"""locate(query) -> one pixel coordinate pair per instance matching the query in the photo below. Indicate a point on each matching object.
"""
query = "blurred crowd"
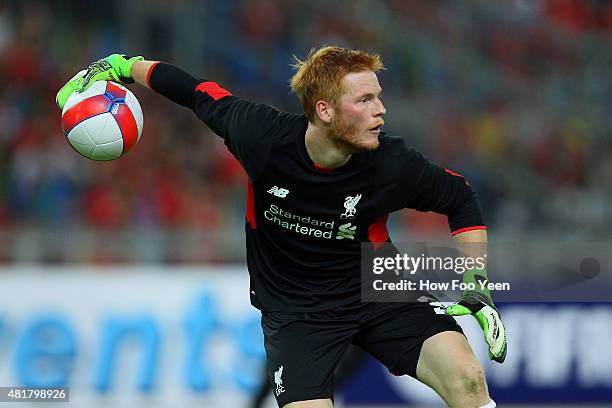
(516, 95)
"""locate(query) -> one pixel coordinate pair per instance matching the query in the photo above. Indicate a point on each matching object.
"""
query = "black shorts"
(305, 348)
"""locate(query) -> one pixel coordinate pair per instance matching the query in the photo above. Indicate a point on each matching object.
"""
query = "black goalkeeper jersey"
(305, 224)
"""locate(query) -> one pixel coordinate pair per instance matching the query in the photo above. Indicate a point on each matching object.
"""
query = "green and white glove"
(479, 304)
(115, 67)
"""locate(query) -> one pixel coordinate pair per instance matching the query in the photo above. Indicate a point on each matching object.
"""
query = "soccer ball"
(103, 122)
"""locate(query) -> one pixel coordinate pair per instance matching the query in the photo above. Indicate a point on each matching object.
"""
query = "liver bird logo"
(349, 206)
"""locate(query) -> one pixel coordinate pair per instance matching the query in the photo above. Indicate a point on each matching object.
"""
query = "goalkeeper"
(321, 183)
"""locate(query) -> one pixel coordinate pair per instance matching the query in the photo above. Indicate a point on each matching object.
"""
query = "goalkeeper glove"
(479, 304)
(115, 67)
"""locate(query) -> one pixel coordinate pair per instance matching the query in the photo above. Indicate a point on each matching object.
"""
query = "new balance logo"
(346, 231)
(279, 192)
(279, 381)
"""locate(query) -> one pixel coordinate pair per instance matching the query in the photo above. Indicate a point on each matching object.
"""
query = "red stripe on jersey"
(149, 72)
(127, 123)
(452, 173)
(83, 110)
(378, 232)
(114, 90)
(213, 89)
(466, 229)
(323, 169)
(250, 206)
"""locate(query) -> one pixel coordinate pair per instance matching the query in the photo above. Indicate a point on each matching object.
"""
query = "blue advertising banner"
(190, 338)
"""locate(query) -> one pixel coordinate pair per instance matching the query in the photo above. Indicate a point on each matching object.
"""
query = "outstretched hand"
(115, 67)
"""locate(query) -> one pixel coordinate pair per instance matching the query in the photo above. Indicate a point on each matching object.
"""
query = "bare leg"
(448, 365)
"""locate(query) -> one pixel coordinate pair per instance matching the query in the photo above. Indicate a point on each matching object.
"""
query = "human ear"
(324, 111)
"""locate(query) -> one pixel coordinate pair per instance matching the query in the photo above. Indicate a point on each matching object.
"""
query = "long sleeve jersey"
(305, 224)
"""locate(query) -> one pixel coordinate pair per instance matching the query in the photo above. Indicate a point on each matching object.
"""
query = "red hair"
(319, 77)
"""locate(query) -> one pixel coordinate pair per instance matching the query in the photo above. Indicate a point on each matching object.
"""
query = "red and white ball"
(104, 122)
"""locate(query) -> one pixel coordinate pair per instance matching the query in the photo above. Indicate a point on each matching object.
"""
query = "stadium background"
(516, 95)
